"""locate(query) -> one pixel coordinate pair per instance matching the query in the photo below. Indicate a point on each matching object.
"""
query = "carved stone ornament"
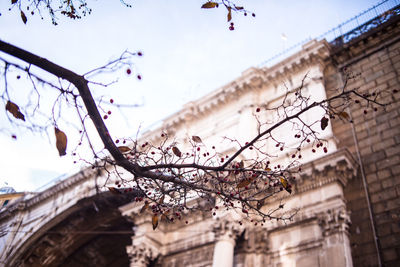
(334, 221)
(226, 229)
(141, 255)
(255, 240)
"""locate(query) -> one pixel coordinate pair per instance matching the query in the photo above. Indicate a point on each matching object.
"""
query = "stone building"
(348, 200)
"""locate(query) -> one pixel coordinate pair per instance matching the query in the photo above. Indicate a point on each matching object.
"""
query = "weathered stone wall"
(318, 235)
(375, 59)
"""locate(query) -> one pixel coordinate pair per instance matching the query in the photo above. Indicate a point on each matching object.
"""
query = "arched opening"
(91, 233)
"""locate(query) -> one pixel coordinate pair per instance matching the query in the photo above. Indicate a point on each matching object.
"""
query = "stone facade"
(333, 226)
(338, 219)
(375, 56)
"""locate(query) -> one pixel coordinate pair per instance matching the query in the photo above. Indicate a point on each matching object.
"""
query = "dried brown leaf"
(324, 123)
(161, 201)
(260, 203)
(241, 164)
(176, 151)
(61, 141)
(197, 139)
(285, 184)
(244, 183)
(23, 17)
(344, 115)
(209, 5)
(229, 16)
(154, 221)
(124, 149)
(14, 110)
(144, 208)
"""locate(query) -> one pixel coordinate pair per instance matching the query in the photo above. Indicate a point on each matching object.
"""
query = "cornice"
(341, 161)
(312, 53)
(339, 166)
(24, 204)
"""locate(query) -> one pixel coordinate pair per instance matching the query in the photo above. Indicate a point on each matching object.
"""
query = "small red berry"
(253, 15)
(140, 54)
(128, 71)
(109, 112)
(139, 77)
(111, 100)
(105, 117)
(258, 110)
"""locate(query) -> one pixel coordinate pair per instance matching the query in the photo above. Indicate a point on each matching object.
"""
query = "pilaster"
(226, 231)
(334, 225)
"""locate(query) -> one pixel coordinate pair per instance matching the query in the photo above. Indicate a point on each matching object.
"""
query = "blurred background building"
(348, 198)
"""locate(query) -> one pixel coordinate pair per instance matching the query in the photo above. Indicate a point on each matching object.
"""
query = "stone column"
(225, 237)
(335, 225)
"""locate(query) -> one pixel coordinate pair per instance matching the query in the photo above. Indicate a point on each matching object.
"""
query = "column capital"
(255, 240)
(226, 229)
(141, 255)
(334, 220)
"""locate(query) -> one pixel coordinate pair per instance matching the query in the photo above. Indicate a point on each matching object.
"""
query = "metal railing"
(348, 30)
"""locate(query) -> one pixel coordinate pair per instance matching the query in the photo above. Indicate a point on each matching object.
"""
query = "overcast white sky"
(187, 53)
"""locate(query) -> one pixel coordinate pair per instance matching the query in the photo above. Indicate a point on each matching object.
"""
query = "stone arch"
(80, 236)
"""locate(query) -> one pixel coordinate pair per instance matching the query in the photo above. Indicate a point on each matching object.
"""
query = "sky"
(187, 52)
